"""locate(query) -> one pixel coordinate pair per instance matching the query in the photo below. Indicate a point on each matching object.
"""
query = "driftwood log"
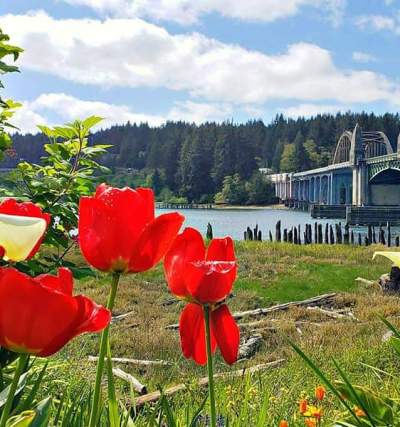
(320, 300)
(135, 361)
(121, 317)
(390, 283)
(250, 347)
(134, 382)
(155, 396)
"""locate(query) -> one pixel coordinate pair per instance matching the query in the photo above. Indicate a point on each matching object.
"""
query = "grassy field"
(268, 273)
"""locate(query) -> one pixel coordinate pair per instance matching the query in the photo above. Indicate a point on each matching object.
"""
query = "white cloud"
(363, 57)
(134, 53)
(310, 110)
(379, 23)
(67, 108)
(189, 11)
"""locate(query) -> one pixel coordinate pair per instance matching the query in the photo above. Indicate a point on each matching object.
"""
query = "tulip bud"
(320, 392)
(303, 406)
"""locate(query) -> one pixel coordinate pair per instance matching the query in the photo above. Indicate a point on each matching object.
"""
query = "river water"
(234, 222)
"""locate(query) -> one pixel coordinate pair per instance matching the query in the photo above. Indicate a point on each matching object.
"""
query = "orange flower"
(320, 392)
(283, 423)
(310, 422)
(359, 412)
(303, 406)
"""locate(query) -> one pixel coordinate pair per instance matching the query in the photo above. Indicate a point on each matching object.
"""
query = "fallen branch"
(134, 382)
(334, 314)
(319, 300)
(121, 317)
(250, 347)
(135, 361)
(153, 397)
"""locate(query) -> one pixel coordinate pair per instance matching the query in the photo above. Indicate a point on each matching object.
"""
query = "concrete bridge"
(365, 173)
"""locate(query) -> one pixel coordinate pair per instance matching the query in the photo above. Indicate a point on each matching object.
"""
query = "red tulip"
(118, 231)
(203, 277)
(22, 229)
(39, 315)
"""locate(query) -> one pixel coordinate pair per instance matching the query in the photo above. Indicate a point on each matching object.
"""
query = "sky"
(204, 60)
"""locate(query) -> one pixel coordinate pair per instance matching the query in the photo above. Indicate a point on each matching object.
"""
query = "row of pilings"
(329, 234)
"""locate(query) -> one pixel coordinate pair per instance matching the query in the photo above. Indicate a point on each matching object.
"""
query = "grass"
(268, 273)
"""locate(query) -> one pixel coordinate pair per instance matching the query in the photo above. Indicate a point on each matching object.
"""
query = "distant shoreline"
(221, 207)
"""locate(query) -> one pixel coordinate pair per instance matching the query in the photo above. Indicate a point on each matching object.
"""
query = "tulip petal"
(89, 317)
(19, 235)
(222, 250)
(209, 282)
(93, 247)
(192, 334)
(147, 195)
(188, 246)
(110, 225)
(37, 319)
(63, 282)
(226, 333)
(393, 256)
(26, 209)
(155, 241)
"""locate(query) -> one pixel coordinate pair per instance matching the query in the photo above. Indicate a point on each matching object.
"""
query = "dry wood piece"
(135, 361)
(250, 347)
(134, 382)
(319, 300)
(334, 314)
(365, 282)
(121, 317)
(153, 397)
(315, 301)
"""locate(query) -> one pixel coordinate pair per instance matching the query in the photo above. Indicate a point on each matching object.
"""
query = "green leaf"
(90, 122)
(20, 387)
(23, 420)
(42, 413)
(375, 408)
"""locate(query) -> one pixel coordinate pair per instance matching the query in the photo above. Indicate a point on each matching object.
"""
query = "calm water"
(234, 222)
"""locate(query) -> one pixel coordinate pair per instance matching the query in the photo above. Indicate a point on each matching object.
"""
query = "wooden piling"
(278, 234)
(346, 236)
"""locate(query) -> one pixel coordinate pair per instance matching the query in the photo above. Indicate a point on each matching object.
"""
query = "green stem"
(210, 367)
(21, 363)
(94, 413)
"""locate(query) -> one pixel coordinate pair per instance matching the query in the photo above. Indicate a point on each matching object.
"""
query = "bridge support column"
(360, 185)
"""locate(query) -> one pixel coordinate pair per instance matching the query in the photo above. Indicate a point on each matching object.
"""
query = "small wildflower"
(359, 412)
(310, 422)
(303, 406)
(320, 392)
(316, 413)
(283, 423)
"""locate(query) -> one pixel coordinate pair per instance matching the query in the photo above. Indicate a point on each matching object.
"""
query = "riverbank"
(268, 274)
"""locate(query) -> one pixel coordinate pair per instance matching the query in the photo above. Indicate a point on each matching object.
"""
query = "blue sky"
(157, 60)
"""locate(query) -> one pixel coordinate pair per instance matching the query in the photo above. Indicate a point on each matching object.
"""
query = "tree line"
(216, 162)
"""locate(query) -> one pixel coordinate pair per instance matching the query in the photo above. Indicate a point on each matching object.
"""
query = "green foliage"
(68, 171)
(7, 107)
(260, 190)
(233, 191)
(363, 406)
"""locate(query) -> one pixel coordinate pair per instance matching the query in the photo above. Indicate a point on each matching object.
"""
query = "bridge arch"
(356, 145)
(384, 187)
(342, 151)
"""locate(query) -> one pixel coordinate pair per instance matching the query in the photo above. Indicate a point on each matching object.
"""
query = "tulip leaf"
(20, 387)
(23, 420)
(42, 413)
(379, 410)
